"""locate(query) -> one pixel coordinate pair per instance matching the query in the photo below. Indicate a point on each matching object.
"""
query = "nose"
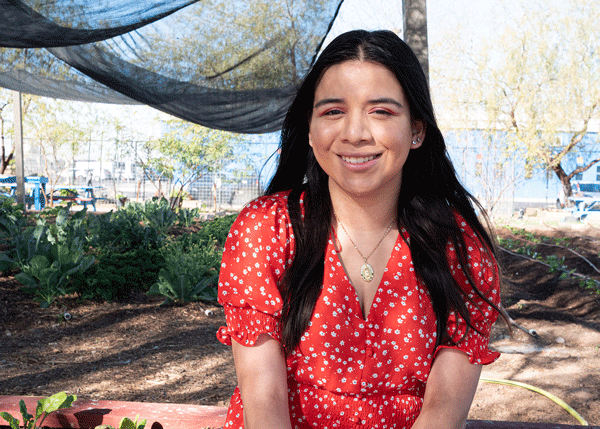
(356, 128)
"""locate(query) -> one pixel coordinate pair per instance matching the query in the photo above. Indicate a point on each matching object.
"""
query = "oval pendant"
(366, 272)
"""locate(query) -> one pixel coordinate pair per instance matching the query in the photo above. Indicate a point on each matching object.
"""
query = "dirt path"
(138, 351)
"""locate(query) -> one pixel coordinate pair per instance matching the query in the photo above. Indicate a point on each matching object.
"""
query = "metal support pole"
(18, 142)
(415, 30)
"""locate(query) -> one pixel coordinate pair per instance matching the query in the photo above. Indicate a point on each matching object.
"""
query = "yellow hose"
(549, 395)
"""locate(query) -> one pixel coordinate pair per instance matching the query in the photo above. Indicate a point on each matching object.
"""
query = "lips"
(358, 160)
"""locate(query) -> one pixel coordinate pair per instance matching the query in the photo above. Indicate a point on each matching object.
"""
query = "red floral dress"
(347, 372)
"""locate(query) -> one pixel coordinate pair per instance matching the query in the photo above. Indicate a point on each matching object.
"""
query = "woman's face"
(361, 129)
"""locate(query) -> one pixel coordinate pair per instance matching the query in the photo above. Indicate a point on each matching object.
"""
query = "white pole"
(18, 142)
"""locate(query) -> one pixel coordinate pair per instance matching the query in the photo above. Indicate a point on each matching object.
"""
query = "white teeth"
(358, 160)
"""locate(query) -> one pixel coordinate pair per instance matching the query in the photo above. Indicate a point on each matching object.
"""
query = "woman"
(360, 290)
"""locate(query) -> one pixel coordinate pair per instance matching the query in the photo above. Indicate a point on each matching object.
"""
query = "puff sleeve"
(484, 271)
(257, 251)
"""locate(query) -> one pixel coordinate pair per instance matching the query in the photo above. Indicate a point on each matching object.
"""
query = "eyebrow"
(383, 100)
(328, 101)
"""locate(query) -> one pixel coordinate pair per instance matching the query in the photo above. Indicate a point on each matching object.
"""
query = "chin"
(361, 191)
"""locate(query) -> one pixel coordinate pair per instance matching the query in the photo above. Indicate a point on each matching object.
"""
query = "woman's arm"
(261, 374)
(449, 392)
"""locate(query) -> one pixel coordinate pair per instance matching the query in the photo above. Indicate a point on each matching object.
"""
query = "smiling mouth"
(357, 160)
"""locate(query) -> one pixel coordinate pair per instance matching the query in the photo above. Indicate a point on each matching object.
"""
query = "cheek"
(320, 138)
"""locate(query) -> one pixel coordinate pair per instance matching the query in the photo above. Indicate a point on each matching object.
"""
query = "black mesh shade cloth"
(230, 65)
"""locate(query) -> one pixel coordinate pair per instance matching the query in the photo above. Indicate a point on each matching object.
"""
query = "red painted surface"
(87, 414)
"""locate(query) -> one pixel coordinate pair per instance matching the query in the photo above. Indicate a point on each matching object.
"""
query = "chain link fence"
(124, 179)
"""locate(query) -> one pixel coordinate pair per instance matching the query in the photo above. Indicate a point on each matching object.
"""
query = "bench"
(78, 199)
(87, 414)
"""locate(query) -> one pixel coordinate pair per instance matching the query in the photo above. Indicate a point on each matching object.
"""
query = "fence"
(120, 176)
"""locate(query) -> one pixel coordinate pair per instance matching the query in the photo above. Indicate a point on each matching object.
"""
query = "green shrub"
(67, 228)
(195, 259)
(122, 231)
(191, 270)
(186, 217)
(156, 214)
(48, 276)
(184, 288)
(217, 228)
(117, 275)
(12, 217)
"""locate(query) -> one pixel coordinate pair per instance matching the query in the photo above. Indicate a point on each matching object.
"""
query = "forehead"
(357, 76)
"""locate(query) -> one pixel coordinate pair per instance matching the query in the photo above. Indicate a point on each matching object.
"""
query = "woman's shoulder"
(267, 212)
(469, 233)
(266, 206)
(269, 201)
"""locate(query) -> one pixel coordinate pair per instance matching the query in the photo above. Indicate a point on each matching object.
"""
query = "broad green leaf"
(56, 402)
(86, 263)
(6, 263)
(30, 284)
(38, 263)
(127, 423)
(13, 423)
(24, 413)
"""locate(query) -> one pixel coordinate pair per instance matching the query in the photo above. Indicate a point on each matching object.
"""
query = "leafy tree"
(59, 132)
(243, 45)
(6, 158)
(6, 125)
(188, 151)
(536, 88)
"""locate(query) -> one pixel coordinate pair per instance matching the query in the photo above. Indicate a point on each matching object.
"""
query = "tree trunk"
(5, 159)
(565, 181)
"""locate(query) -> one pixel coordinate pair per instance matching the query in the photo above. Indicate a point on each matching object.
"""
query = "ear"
(418, 133)
(310, 139)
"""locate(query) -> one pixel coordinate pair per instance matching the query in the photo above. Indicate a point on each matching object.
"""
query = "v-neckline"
(363, 317)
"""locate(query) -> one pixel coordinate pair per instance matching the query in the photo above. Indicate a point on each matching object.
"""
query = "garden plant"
(110, 256)
(53, 403)
(44, 407)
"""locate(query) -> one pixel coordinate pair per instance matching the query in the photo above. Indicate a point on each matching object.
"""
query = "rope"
(549, 395)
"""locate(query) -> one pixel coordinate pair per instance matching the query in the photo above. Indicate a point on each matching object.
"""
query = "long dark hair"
(429, 197)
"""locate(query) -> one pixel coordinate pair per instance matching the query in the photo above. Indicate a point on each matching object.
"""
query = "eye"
(332, 112)
(383, 111)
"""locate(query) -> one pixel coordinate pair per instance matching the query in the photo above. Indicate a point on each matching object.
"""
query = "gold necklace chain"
(366, 271)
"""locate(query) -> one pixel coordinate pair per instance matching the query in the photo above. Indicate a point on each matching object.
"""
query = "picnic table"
(83, 195)
(582, 209)
(36, 186)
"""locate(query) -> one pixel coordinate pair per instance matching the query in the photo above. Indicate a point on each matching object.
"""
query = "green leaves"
(183, 288)
(190, 151)
(159, 215)
(13, 423)
(12, 217)
(126, 423)
(47, 277)
(45, 406)
(52, 403)
(186, 217)
(6, 263)
(128, 255)
(56, 402)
